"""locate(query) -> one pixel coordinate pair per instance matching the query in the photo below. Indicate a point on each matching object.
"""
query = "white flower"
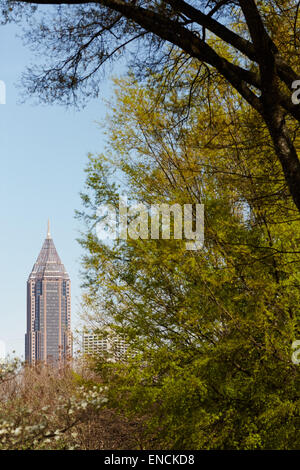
(17, 431)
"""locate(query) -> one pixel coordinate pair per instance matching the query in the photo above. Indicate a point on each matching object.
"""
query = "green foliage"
(209, 331)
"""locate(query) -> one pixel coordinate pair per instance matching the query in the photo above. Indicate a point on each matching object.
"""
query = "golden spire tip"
(48, 230)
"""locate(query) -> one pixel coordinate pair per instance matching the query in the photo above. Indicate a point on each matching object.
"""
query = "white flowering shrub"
(42, 408)
(9, 369)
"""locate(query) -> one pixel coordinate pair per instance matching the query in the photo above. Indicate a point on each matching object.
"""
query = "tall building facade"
(48, 338)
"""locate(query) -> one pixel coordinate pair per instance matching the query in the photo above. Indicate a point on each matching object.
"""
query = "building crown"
(48, 263)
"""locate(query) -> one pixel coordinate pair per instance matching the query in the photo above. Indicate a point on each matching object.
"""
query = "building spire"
(48, 230)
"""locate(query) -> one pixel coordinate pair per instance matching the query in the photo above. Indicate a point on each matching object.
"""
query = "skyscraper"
(48, 337)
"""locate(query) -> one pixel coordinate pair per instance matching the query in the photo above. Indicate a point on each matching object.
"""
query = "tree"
(262, 37)
(209, 332)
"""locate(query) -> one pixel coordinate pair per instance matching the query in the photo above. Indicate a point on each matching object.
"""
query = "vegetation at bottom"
(45, 407)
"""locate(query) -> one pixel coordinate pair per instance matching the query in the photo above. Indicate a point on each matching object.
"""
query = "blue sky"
(43, 153)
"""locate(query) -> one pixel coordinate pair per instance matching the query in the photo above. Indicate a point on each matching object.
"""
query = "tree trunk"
(285, 150)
